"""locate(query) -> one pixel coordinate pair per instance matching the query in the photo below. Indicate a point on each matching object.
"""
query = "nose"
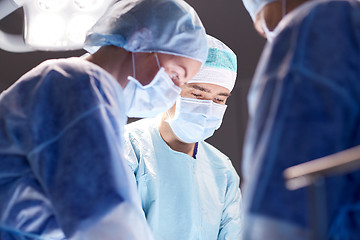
(177, 82)
(174, 78)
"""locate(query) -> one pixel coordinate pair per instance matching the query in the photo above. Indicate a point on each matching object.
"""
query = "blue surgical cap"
(166, 26)
(254, 6)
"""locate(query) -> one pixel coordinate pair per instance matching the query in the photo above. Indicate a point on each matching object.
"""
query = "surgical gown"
(183, 197)
(304, 104)
(62, 169)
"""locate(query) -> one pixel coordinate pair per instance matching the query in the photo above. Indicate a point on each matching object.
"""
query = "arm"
(231, 220)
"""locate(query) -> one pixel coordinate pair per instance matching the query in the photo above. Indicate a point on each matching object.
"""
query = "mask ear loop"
(157, 60)
(133, 63)
(169, 118)
(168, 114)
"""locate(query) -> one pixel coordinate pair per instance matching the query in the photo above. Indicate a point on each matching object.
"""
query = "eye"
(196, 95)
(219, 100)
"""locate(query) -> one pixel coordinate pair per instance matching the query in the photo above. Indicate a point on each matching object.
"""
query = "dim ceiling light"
(51, 24)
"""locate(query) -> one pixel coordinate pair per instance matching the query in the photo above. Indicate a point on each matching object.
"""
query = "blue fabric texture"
(62, 169)
(166, 26)
(183, 197)
(8, 233)
(304, 104)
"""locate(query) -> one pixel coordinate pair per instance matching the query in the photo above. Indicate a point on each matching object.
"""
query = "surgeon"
(62, 167)
(304, 104)
(188, 188)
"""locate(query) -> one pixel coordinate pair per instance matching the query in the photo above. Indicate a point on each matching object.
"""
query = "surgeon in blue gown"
(304, 104)
(62, 169)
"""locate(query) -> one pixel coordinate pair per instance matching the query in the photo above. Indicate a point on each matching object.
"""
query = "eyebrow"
(225, 94)
(208, 91)
(200, 88)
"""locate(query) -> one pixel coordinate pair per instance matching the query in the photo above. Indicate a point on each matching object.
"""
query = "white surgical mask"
(196, 120)
(150, 100)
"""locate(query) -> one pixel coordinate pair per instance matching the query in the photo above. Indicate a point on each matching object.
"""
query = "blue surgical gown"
(304, 104)
(62, 169)
(183, 197)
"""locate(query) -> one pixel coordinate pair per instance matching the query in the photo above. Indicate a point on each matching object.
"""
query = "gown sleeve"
(78, 159)
(231, 220)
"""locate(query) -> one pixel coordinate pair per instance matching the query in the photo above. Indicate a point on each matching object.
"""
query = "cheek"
(146, 76)
(184, 94)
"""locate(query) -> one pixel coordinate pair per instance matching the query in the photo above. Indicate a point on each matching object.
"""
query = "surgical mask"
(196, 120)
(150, 100)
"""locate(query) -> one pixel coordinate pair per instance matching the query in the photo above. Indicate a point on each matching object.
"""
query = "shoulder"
(219, 161)
(53, 75)
(73, 80)
(213, 150)
(215, 155)
(319, 19)
(315, 11)
(76, 72)
(312, 31)
(68, 88)
(141, 125)
(140, 130)
(69, 71)
(138, 139)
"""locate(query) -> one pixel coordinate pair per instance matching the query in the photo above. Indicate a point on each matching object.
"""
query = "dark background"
(226, 20)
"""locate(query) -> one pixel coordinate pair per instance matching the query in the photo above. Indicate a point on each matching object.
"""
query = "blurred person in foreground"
(303, 105)
(62, 167)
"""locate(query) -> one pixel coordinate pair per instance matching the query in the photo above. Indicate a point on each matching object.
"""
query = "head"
(163, 36)
(267, 14)
(200, 109)
(180, 69)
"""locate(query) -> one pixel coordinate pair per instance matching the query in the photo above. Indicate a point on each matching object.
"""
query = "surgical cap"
(254, 6)
(220, 67)
(165, 26)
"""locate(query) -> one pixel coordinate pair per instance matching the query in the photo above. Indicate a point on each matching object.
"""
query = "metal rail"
(304, 174)
(312, 175)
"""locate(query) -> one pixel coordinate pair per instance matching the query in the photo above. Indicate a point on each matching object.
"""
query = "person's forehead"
(187, 64)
